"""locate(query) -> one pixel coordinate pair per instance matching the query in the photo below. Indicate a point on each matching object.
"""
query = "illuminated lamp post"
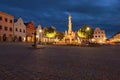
(40, 35)
(88, 29)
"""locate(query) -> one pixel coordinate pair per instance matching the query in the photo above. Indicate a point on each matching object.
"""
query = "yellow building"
(115, 37)
(6, 26)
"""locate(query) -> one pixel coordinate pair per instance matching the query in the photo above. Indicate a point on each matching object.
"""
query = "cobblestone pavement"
(18, 61)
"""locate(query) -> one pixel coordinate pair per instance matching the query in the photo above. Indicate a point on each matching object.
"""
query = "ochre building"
(6, 26)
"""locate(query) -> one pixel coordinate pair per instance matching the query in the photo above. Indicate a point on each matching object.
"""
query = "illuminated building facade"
(30, 30)
(115, 37)
(6, 26)
(99, 36)
(49, 36)
(39, 33)
(19, 30)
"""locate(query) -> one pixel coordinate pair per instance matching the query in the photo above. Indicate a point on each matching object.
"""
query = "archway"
(15, 38)
(0, 38)
(20, 38)
(4, 37)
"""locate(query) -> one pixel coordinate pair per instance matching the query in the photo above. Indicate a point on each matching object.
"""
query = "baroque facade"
(6, 26)
(19, 30)
(30, 31)
(99, 36)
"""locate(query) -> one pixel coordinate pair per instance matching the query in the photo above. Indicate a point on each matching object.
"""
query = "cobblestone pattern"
(59, 63)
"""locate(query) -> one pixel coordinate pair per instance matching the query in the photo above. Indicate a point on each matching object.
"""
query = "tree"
(60, 35)
(85, 32)
(50, 32)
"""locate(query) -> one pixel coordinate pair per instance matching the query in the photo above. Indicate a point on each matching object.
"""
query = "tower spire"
(69, 24)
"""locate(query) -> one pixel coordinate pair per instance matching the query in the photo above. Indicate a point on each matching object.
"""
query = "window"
(0, 27)
(24, 31)
(20, 30)
(10, 35)
(16, 29)
(10, 29)
(5, 28)
(10, 21)
(6, 19)
(0, 18)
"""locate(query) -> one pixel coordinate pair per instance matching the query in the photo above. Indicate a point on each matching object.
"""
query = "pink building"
(6, 26)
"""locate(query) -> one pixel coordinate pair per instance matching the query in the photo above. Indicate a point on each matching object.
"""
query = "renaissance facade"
(6, 26)
(99, 36)
(19, 30)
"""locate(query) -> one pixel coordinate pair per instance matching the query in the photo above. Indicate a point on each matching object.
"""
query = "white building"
(99, 36)
(39, 33)
(19, 30)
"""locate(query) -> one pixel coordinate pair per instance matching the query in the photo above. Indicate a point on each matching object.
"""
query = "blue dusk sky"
(95, 13)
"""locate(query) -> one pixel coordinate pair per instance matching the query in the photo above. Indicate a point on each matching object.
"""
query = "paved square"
(18, 61)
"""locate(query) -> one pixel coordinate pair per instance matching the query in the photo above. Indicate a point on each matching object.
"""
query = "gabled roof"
(115, 34)
(15, 20)
(5, 13)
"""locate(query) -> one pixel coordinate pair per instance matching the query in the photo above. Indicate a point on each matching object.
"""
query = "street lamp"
(88, 28)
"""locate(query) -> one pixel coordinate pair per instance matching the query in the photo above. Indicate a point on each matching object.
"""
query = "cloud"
(103, 13)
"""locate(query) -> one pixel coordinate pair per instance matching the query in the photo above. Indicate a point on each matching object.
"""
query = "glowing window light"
(40, 30)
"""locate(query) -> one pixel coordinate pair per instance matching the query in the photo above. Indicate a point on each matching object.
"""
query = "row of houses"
(15, 29)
